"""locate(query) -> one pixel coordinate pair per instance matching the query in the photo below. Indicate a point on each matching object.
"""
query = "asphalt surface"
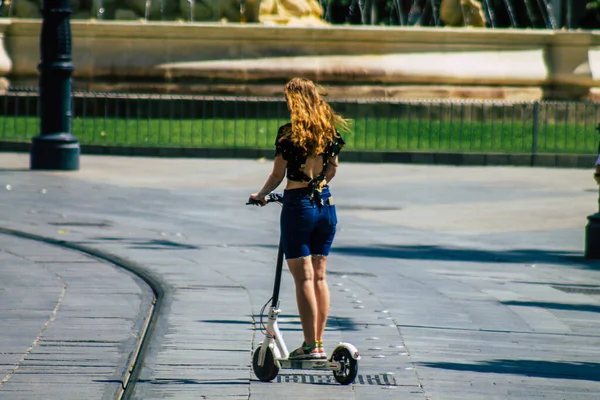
(453, 282)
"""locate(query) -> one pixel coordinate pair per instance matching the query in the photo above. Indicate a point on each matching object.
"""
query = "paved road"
(455, 283)
(70, 323)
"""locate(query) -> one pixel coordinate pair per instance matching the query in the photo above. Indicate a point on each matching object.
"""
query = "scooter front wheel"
(268, 371)
(349, 366)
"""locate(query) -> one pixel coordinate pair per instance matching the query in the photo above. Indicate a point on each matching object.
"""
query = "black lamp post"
(592, 230)
(55, 148)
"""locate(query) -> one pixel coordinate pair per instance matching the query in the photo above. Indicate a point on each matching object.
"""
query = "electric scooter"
(271, 355)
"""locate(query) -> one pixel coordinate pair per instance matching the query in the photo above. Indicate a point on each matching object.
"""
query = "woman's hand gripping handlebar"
(270, 198)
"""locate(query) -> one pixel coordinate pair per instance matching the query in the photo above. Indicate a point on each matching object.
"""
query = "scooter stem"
(277, 286)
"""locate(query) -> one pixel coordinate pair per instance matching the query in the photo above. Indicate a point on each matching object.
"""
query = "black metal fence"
(111, 119)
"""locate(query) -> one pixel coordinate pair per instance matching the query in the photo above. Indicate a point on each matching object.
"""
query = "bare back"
(302, 170)
(312, 168)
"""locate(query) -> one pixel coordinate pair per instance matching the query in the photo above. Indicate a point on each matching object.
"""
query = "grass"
(369, 134)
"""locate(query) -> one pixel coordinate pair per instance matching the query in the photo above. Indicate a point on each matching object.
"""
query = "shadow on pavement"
(192, 382)
(440, 253)
(333, 322)
(15, 170)
(585, 371)
(181, 381)
(554, 306)
(147, 244)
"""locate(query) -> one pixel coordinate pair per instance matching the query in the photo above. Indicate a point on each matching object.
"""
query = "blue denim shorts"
(307, 226)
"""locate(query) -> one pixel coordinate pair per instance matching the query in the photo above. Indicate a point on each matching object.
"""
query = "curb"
(155, 285)
(410, 157)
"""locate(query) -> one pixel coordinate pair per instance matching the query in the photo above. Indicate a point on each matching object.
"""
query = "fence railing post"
(535, 132)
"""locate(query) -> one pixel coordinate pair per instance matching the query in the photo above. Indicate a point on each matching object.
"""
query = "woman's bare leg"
(321, 294)
(302, 271)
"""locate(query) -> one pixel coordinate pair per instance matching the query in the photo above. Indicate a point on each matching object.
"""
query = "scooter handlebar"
(270, 198)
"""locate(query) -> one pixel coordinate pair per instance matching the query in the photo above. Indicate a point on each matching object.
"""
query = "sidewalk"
(70, 323)
(454, 283)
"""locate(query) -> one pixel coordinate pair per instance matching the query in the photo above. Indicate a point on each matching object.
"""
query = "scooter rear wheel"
(349, 366)
(269, 370)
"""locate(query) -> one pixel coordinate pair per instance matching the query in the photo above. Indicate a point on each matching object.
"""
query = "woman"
(308, 149)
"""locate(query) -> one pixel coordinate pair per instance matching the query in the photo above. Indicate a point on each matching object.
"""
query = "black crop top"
(296, 158)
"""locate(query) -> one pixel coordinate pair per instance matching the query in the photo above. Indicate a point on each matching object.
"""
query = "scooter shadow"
(315, 380)
(333, 324)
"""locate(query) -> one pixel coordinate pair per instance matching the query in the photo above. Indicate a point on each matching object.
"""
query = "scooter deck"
(309, 364)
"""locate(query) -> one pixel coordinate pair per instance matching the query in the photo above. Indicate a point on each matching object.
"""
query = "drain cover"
(378, 379)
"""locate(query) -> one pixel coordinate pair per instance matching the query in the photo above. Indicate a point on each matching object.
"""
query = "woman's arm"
(331, 168)
(277, 175)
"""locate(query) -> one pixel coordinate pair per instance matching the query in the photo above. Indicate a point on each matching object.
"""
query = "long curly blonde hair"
(314, 122)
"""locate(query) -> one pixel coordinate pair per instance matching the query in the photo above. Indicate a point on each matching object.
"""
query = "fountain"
(147, 11)
(98, 9)
(358, 48)
(496, 13)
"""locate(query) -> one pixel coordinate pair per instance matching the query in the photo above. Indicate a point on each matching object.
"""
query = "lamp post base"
(55, 152)
(592, 237)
